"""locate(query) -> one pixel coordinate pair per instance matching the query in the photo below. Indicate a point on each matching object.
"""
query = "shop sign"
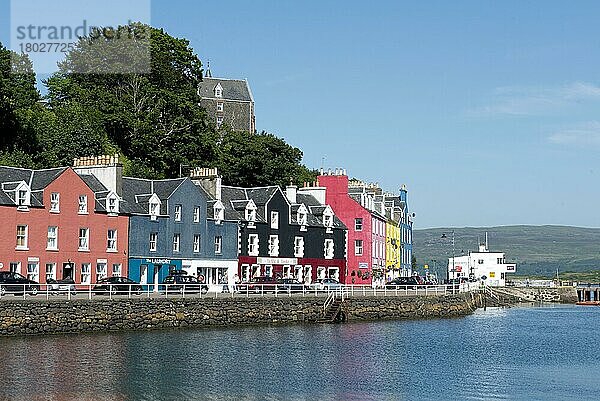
(277, 261)
(363, 265)
(157, 261)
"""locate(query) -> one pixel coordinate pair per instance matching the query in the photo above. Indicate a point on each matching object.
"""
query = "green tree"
(413, 263)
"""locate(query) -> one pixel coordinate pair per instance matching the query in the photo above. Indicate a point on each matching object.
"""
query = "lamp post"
(445, 236)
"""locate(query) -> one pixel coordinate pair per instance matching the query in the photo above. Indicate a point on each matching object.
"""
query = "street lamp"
(445, 236)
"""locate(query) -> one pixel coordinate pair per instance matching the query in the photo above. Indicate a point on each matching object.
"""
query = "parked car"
(64, 285)
(259, 284)
(325, 284)
(183, 283)
(15, 283)
(117, 285)
(404, 282)
(290, 285)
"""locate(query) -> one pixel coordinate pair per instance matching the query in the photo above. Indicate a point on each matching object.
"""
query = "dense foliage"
(151, 118)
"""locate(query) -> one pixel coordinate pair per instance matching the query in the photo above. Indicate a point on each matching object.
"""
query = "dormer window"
(154, 207)
(328, 219)
(218, 90)
(22, 196)
(302, 217)
(219, 212)
(112, 204)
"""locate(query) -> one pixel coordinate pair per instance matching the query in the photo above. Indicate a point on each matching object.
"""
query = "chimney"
(209, 179)
(291, 191)
(106, 169)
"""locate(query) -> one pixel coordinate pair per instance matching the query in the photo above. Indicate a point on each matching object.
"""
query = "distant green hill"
(537, 250)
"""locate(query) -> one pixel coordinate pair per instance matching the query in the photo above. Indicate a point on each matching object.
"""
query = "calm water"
(548, 353)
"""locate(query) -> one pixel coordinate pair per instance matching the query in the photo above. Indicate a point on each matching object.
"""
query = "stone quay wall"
(40, 317)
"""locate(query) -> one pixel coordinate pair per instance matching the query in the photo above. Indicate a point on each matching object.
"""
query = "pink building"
(366, 226)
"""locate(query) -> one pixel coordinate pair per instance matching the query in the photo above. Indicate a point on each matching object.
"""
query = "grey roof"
(37, 180)
(233, 89)
(235, 201)
(315, 212)
(138, 191)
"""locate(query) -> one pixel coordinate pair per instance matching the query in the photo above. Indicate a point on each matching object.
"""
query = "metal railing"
(183, 290)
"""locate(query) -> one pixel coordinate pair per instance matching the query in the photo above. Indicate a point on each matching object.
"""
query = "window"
(499, 261)
(302, 217)
(219, 212)
(176, 238)
(116, 270)
(219, 121)
(218, 245)
(218, 90)
(55, 202)
(251, 214)
(51, 271)
(274, 245)
(275, 220)
(197, 214)
(328, 220)
(83, 208)
(154, 207)
(84, 239)
(22, 197)
(328, 247)
(196, 243)
(358, 224)
(220, 106)
(253, 244)
(100, 271)
(299, 247)
(177, 212)
(33, 271)
(153, 241)
(15, 267)
(52, 238)
(269, 270)
(480, 261)
(112, 204)
(21, 237)
(85, 273)
(358, 247)
(111, 243)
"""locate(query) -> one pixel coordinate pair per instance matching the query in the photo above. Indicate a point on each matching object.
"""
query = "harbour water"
(523, 353)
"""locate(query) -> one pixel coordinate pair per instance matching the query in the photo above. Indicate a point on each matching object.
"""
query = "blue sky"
(487, 111)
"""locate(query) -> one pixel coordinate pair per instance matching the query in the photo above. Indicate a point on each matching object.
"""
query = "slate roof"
(315, 212)
(235, 201)
(138, 191)
(37, 180)
(233, 89)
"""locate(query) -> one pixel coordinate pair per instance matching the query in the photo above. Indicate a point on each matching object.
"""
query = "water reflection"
(497, 354)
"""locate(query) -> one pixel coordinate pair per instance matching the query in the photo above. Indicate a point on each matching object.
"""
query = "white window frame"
(302, 218)
(83, 207)
(33, 273)
(358, 224)
(220, 106)
(218, 245)
(219, 121)
(176, 242)
(86, 273)
(328, 248)
(274, 245)
(177, 212)
(358, 247)
(299, 247)
(197, 214)
(51, 270)
(253, 245)
(154, 210)
(153, 242)
(85, 237)
(197, 243)
(111, 240)
(55, 202)
(251, 214)
(101, 271)
(15, 267)
(52, 241)
(117, 270)
(328, 220)
(23, 237)
(112, 204)
(23, 197)
(275, 220)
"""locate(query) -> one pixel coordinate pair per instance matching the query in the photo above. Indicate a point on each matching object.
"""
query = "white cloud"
(535, 101)
(585, 134)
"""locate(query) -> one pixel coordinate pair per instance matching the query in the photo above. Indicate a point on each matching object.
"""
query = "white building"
(489, 267)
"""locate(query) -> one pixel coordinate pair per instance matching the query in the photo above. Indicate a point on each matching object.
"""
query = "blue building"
(170, 229)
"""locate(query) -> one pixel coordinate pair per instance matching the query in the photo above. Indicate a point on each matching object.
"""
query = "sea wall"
(39, 317)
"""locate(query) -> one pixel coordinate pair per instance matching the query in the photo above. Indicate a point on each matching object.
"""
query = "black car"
(404, 282)
(117, 285)
(290, 285)
(183, 283)
(11, 282)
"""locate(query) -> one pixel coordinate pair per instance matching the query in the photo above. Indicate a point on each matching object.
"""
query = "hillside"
(537, 250)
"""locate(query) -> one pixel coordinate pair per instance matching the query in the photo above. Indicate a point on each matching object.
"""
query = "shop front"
(152, 271)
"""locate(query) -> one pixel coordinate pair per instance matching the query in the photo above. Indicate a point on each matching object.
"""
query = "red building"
(366, 227)
(58, 225)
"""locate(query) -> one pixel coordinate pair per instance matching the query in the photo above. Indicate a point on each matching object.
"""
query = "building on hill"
(228, 102)
(60, 225)
(489, 267)
(281, 235)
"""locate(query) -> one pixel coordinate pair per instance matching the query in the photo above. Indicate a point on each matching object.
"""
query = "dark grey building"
(229, 102)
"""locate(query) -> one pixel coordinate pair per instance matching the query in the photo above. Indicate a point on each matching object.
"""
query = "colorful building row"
(89, 222)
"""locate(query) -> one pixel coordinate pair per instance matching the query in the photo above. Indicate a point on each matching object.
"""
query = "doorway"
(143, 274)
(67, 270)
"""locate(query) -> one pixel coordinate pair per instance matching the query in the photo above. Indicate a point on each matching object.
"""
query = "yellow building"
(393, 250)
